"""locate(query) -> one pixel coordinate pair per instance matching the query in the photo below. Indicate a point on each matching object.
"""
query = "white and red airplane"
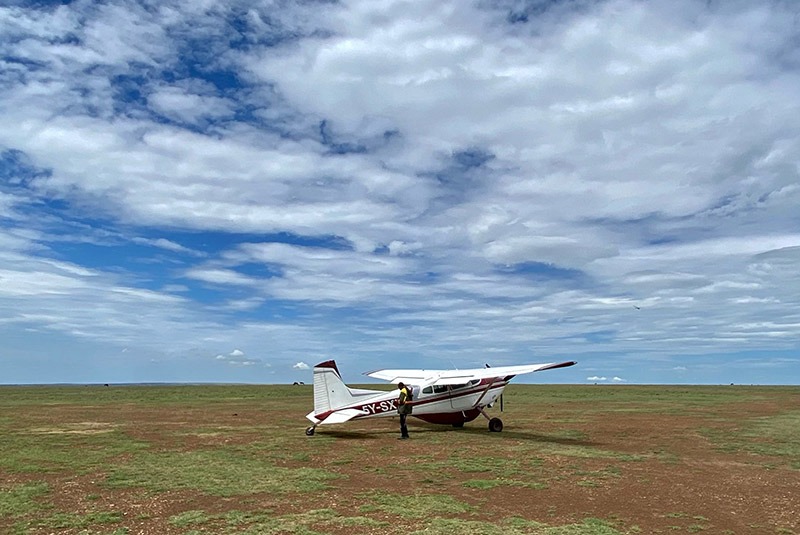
(451, 397)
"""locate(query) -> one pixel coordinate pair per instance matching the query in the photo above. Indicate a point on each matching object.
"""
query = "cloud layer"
(412, 182)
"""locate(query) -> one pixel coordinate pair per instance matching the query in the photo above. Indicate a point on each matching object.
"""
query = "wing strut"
(485, 390)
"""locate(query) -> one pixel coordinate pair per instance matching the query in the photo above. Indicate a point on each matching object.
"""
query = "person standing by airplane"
(403, 408)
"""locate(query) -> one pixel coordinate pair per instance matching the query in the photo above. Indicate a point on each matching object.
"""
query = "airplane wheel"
(310, 432)
(495, 425)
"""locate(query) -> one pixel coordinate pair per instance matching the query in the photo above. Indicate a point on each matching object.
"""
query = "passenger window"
(427, 390)
(440, 389)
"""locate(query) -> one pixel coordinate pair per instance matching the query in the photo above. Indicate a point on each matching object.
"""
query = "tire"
(309, 431)
(495, 425)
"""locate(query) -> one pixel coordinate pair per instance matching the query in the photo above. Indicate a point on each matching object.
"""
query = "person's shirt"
(403, 396)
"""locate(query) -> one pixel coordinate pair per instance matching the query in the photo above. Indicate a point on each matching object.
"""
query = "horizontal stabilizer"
(344, 415)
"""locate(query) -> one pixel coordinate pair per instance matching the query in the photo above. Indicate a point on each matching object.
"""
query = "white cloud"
(221, 276)
(169, 245)
(237, 358)
(177, 103)
(509, 185)
(301, 366)
(596, 378)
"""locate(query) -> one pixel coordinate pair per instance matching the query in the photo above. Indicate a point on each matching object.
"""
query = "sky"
(235, 191)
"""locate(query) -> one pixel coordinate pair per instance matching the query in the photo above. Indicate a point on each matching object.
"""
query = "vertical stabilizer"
(330, 392)
(331, 396)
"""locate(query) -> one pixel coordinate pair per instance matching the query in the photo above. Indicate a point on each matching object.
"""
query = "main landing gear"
(310, 430)
(495, 424)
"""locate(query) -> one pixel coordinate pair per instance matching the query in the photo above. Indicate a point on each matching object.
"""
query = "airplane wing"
(404, 376)
(455, 377)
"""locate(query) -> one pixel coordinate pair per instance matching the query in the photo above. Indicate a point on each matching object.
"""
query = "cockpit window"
(471, 383)
(443, 389)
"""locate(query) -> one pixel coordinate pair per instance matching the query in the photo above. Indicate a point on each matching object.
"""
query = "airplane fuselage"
(445, 404)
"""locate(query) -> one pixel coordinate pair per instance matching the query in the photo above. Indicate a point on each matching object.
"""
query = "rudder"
(330, 392)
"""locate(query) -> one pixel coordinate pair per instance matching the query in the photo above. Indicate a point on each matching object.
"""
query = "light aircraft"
(451, 397)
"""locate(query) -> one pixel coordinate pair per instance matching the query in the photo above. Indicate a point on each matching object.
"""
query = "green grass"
(448, 526)
(416, 505)
(166, 395)
(188, 518)
(239, 518)
(587, 452)
(775, 436)
(487, 484)
(468, 464)
(23, 499)
(515, 526)
(29, 450)
(294, 524)
(263, 522)
(215, 472)
(71, 521)
(638, 396)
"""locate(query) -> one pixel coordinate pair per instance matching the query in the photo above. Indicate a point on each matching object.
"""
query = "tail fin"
(330, 392)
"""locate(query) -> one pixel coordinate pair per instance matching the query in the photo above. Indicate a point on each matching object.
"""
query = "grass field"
(572, 460)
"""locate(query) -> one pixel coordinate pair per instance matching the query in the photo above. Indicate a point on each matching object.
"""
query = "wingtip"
(560, 365)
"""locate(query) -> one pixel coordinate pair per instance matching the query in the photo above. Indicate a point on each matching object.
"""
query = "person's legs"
(403, 427)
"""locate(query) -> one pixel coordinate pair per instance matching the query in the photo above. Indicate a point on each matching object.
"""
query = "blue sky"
(235, 191)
